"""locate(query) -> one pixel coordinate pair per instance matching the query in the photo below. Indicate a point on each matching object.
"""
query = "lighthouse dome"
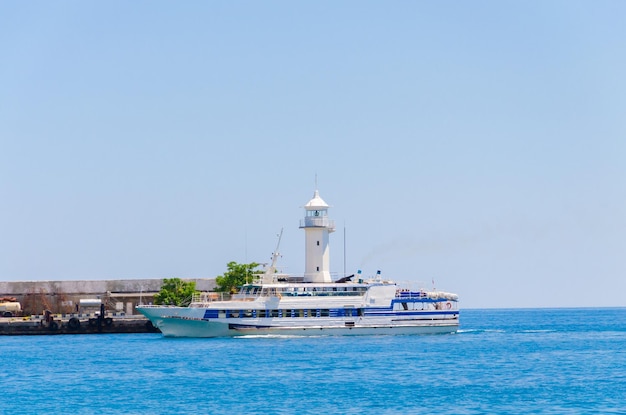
(316, 203)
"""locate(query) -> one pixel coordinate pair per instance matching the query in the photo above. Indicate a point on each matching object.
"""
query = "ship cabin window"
(211, 313)
(261, 313)
(315, 312)
(221, 314)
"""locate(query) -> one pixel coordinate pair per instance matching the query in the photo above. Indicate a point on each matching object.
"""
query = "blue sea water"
(535, 361)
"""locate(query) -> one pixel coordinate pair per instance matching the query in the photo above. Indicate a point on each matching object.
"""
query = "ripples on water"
(553, 361)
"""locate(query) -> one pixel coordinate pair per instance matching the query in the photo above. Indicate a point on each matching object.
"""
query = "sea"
(502, 361)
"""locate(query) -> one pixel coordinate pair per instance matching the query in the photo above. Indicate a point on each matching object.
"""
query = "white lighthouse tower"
(317, 227)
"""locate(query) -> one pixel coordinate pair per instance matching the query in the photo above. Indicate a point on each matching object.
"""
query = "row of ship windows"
(296, 291)
(319, 312)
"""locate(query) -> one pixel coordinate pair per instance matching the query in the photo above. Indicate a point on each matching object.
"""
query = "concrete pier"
(75, 324)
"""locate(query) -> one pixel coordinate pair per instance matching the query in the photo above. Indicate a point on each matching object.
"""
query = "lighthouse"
(317, 227)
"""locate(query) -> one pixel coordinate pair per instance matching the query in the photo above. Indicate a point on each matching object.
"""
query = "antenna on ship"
(344, 249)
(271, 270)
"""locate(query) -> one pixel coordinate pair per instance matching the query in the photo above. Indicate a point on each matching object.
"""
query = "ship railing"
(207, 297)
(317, 222)
(411, 294)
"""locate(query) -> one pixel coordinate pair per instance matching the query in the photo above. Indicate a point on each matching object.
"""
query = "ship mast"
(268, 275)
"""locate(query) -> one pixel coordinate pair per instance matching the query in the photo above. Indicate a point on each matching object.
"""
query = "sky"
(479, 146)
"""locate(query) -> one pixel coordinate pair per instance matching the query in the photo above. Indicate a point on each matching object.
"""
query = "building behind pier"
(64, 296)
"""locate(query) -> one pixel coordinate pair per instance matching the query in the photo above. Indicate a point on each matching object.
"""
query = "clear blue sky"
(481, 144)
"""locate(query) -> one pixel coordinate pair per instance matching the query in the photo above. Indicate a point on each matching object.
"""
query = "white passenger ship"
(279, 304)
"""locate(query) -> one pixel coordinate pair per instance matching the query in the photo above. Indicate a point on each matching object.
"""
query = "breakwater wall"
(63, 297)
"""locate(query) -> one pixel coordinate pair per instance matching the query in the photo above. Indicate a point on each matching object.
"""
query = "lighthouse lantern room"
(317, 228)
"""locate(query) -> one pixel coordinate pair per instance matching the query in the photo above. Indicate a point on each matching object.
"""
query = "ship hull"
(185, 322)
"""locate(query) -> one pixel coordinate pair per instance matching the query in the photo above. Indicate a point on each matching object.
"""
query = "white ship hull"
(179, 327)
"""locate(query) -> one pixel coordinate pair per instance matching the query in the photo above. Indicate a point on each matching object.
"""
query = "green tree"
(175, 291)
(236, 276)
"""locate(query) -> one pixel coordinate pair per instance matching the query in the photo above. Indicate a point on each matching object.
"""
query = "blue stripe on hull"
(409, 313)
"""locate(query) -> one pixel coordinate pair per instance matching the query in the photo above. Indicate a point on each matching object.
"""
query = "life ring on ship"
(448, 305)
